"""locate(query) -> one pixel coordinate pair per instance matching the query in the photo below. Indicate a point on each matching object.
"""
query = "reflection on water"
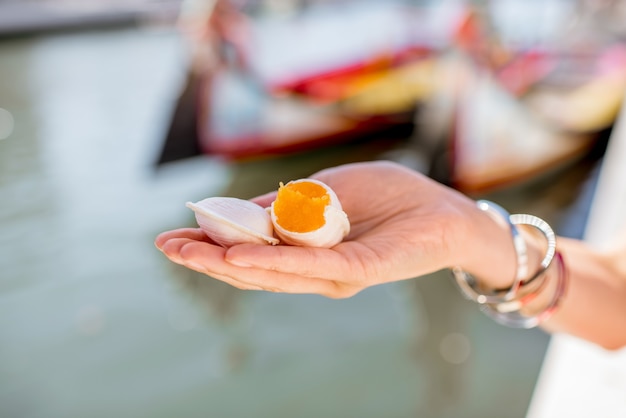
(95, 322)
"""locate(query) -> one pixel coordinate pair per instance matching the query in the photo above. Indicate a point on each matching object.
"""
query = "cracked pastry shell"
(229, 221)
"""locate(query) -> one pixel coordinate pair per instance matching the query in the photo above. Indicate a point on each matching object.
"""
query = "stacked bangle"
(505, 305)
(469, 286)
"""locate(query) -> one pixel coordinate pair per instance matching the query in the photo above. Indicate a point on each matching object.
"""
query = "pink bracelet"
(516, 320)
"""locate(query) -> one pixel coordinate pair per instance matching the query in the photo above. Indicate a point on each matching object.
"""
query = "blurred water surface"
(94, 322)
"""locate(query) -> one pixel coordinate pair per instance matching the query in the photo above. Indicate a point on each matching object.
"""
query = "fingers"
(200, 268)
(265, 200)
(210, 260)
(189, 233)
(321, 263)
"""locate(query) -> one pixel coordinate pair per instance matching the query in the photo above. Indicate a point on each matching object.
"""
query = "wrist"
(490, 253)
(494, 256)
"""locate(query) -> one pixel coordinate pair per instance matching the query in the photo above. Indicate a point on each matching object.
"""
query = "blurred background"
(114, 114)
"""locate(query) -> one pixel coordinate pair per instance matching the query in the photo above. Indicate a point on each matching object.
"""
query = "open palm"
(403, 225)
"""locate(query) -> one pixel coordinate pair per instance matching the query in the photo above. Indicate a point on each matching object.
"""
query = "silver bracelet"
(468, 283)
(548, 233)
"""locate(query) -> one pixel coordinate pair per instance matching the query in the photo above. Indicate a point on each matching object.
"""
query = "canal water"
(95, 322)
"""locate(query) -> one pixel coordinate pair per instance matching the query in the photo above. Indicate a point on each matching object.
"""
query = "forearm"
(594, 307)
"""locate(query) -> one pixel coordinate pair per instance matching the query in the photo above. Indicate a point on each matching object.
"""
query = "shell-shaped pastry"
(229, 221)
(308, 213)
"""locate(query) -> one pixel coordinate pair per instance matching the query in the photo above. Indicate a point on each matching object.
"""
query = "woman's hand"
(403, 225)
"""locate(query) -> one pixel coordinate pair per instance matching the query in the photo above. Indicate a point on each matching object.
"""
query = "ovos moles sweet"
(306, 212)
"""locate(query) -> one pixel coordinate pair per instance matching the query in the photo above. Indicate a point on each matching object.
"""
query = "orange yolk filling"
(299, 207)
